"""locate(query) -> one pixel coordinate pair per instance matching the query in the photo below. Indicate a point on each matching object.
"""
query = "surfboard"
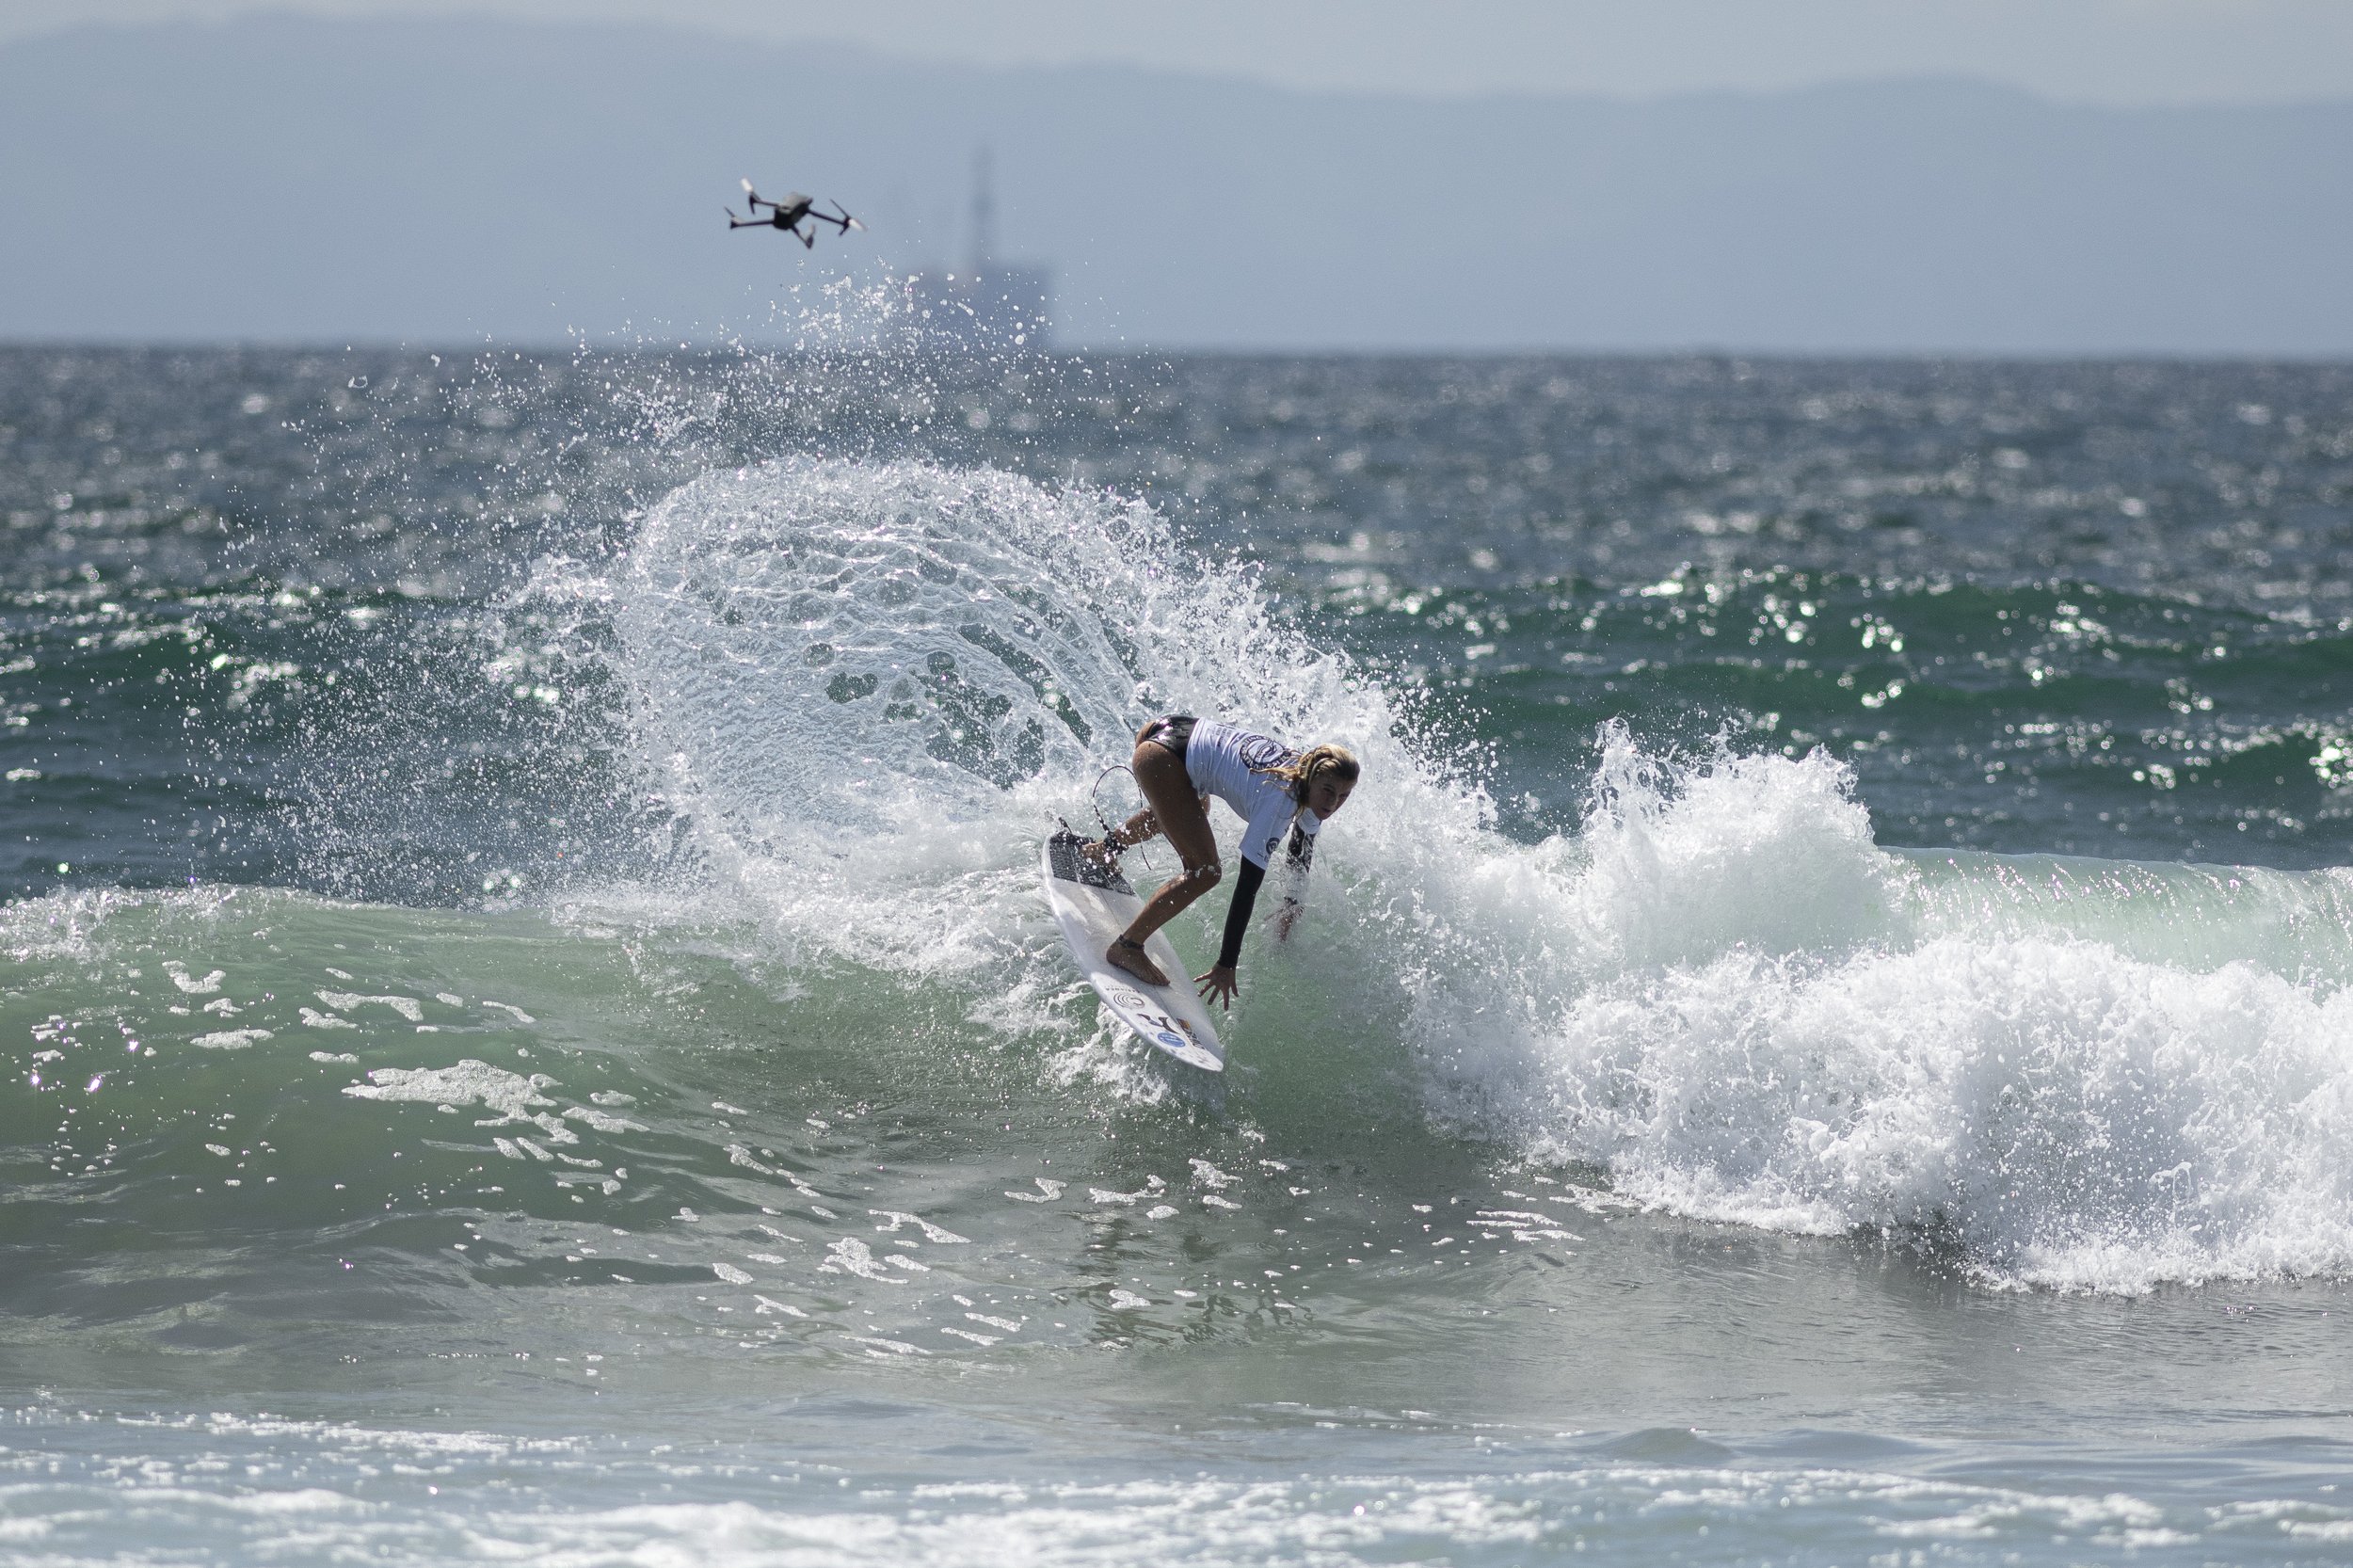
(1094, 904)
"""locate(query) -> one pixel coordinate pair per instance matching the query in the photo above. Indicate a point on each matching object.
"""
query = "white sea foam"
(1630, 1511)
(193, 986)
(344, 1002)
(230, 1039)
(1726, 994)
(852, 1257)
(470, 1082)
(604, 1121)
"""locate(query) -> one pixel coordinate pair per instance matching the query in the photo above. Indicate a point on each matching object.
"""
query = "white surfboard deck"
(1094, 904)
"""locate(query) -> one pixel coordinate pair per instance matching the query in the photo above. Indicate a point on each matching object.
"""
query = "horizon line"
(778, 348)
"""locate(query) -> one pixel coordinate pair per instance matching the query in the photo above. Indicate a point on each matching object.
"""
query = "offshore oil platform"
(986, 304)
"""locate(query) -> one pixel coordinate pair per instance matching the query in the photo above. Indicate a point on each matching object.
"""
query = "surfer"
(1179, 762)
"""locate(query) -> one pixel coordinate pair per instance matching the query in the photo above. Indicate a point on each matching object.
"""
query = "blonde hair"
(1302, 771)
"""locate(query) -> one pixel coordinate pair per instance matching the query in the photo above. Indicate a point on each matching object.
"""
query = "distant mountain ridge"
(296, 179)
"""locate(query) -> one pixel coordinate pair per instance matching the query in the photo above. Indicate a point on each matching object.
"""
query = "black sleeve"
(1237, 916)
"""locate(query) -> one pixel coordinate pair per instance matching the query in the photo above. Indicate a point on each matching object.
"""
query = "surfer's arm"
(1237, 916)
(1222, 982)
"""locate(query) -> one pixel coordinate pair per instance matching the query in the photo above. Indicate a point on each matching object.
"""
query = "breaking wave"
(868, 686)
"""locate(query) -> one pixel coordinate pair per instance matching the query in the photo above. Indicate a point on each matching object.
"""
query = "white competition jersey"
(1218, 759)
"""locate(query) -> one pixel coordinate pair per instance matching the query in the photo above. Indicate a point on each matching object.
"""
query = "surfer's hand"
(1285, 918)
(1220, 985)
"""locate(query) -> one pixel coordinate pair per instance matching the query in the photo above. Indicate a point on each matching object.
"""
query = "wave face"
(869, 685)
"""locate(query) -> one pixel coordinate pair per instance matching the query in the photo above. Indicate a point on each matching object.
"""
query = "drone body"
(789, 214)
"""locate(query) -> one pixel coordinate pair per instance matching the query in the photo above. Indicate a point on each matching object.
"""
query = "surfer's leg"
(1127, 954)
(1153, 751)
(1199, 876)
(1139, 829)
(1184, 816)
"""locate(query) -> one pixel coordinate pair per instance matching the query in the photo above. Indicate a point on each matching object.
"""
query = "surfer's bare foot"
(1130, 956)
(1101, 851)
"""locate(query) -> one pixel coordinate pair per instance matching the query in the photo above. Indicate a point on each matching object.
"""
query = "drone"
(787, 215)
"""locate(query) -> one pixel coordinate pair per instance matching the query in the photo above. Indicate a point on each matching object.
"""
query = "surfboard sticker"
(1093, 903)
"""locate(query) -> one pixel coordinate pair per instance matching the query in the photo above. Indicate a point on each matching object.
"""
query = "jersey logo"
(1257, 753)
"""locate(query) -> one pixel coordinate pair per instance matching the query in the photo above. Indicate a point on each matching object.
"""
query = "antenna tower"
(983, 211)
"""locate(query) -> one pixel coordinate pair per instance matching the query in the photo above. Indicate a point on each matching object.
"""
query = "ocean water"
(1825, 1035)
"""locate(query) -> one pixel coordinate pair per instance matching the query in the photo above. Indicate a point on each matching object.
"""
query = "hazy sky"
(2096, 51)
